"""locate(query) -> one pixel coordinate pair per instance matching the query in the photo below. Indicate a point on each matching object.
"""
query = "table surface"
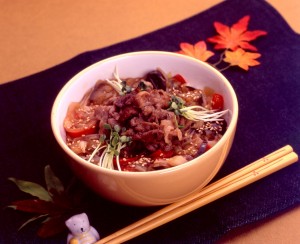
(36, 35)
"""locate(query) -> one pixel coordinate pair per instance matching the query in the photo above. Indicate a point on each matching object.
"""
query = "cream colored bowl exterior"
(157, 187)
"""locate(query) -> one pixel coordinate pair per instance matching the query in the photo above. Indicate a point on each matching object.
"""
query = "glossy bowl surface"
(156, 187)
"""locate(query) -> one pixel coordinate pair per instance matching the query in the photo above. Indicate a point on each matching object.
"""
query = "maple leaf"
(198, 51)
(235, 36)
(241, 58)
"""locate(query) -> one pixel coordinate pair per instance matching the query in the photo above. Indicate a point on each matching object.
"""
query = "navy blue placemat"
(269, 119)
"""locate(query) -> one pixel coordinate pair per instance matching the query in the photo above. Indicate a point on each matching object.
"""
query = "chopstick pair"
(238, 179)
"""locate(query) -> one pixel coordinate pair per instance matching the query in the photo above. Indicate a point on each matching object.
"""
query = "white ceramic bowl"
(155, 187)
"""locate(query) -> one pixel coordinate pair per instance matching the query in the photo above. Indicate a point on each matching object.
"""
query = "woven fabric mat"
(269, 118)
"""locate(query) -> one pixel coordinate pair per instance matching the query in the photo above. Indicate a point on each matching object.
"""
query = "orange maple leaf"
(198, 51)
(241, 58)
(235, 36)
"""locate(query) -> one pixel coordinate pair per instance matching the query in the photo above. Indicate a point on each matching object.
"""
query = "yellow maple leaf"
(241, 58)
(198, 51)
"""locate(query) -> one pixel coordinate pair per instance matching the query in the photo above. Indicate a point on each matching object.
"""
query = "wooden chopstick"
(238, 179)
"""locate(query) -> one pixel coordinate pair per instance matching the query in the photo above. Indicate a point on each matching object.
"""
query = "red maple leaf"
(198, 51)
(235, 36)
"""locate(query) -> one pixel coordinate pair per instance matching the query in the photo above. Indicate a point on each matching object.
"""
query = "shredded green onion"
(111, 148)
(120, 86)
(195, 113)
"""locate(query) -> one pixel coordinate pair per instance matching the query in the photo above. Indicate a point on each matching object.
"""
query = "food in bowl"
(157, 187)
(146, 123)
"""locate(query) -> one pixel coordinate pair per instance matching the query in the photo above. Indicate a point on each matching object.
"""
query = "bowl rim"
(78, 159)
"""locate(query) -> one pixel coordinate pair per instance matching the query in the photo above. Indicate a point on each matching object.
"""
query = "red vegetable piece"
(90, 129)
(179, 78)
(162, 154)
(125, 163)
(217, 102)
(78, 122)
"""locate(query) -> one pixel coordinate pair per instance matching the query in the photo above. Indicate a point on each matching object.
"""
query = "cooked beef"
(102, 93)
(144, 114)
(145, 117)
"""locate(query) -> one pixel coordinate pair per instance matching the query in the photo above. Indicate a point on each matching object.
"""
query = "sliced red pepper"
(179, 78)
(217, 102)
(124, 163)
(162, 154)
(77, 132)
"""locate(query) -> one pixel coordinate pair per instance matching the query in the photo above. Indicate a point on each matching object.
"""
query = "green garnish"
(111, 148)
(119, 85)
(195, 113)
